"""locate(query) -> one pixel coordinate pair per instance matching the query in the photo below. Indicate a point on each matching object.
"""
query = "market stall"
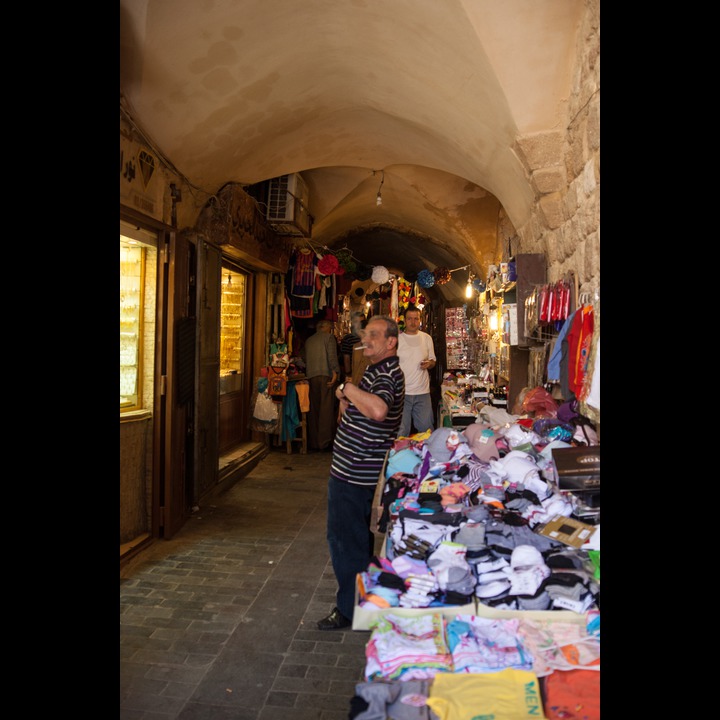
(487, 588)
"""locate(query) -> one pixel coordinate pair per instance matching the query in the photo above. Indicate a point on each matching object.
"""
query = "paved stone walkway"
(219, 622)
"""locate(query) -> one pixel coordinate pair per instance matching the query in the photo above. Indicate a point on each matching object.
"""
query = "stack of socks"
(420, 591)
(570, 591)
(528, 572)
(450, 568)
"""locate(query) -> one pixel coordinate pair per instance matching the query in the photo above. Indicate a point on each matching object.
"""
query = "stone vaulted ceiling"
(430, 95)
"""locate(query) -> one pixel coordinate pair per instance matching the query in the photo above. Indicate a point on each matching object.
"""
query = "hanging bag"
(279, 356)
(265, 409)
(277, 381)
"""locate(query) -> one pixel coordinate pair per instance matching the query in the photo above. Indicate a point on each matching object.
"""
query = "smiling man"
(370, 415)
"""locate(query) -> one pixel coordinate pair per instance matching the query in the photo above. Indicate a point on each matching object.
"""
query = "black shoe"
(334, 621)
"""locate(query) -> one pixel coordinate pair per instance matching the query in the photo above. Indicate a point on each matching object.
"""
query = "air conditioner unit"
(287, 206)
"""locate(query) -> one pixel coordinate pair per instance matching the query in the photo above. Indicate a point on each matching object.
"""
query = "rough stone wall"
(564, 170)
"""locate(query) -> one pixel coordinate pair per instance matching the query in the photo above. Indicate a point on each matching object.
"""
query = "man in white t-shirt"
(417, 357)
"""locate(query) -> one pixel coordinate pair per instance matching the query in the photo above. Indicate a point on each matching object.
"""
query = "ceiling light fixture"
(469, 285)
(378, 198)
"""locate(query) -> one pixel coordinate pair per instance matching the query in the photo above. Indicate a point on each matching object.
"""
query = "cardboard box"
(568, 530)
(553, 615)
(377, 506)
(577, 468)
(363, 617)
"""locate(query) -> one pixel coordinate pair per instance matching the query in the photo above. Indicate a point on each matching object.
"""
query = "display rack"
(457, 338)
(499, 334)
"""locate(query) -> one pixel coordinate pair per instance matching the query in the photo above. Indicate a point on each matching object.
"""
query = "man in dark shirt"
(322, 370)
(370, 417)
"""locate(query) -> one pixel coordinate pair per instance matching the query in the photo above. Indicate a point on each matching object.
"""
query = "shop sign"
(141, 180)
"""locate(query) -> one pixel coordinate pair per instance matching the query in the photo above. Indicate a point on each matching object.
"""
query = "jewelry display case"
(132, 270)
(232, 420)
(232, 322)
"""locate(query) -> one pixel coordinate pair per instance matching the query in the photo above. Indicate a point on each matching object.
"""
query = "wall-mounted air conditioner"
(287, 205)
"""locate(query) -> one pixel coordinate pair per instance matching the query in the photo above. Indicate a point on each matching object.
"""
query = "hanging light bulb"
(469, 287)
(493, 319)
(378, 197)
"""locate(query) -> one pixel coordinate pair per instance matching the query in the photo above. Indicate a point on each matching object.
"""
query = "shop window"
(232, 321)
(138, 257)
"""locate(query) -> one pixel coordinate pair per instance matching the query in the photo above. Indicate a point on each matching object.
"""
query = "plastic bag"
(265, 409)
(568, 411)
(540, 402)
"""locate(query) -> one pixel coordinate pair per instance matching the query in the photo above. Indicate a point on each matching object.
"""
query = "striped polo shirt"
(361, 443)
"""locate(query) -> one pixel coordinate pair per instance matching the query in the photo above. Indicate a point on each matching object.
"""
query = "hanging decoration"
(425, 279)
(403, 289)
(346, 261)
(329, 264)
(380, 274)
(442, 275)
(478, 285)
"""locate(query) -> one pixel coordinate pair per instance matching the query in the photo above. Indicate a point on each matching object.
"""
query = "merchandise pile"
(463, 513)
(475, 599)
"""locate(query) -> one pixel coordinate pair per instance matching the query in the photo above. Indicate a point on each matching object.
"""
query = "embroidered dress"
(304, 267)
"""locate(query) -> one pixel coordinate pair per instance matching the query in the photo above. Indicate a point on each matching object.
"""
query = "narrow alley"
(219, 622)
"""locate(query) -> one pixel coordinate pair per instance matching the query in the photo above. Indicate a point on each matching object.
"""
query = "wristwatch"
(341, 387)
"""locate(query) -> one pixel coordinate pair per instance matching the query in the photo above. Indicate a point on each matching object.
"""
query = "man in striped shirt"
(370, 417)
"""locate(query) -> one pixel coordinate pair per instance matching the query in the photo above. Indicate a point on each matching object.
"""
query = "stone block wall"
(564, 170)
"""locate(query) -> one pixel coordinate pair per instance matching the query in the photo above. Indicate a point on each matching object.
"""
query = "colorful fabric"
(505, 695)
(485, 645)
(407, 648)
(579, 339)
(303, 266)
(557, 645)
(303, 392)
(553, 366)
(572, 695)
